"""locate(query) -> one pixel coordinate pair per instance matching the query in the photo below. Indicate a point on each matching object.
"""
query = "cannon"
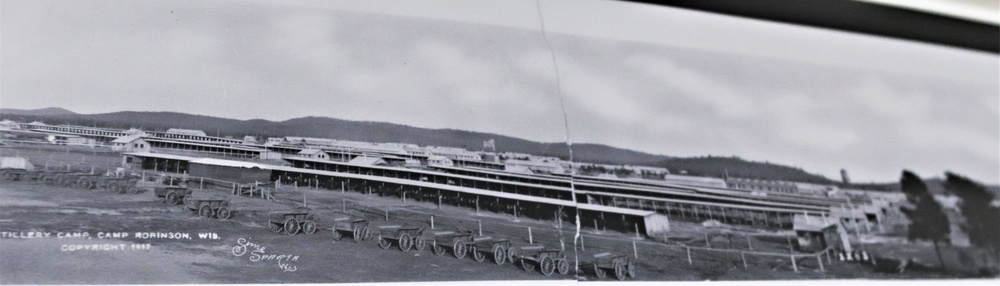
(457, 241)
(547, 260)
(620, 264)
(291, 222)
(215, 207)
(488, 245)
(356, 228)
(405, 236)
(171, 195)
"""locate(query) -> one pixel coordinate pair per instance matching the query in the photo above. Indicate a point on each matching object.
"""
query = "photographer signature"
(257, 254)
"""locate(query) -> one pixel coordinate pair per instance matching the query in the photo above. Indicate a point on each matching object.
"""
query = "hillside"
(325, 127)
(43, 111)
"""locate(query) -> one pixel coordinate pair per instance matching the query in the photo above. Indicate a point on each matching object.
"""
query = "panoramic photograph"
(260, 141)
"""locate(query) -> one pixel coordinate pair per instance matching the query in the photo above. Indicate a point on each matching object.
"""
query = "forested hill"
(325, 127)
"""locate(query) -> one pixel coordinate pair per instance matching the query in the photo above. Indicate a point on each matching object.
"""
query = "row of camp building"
(606, 205)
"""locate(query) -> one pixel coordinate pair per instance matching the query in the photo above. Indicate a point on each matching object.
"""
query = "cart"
(488, 245)
(215, 207)
(405, 237)
(356, 228)
(172, 195)
(52, 178)
(547, 260)
(291, 222)
(457, 241)
(619, 263)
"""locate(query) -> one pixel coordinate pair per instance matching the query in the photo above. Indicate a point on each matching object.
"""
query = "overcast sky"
(649, 78)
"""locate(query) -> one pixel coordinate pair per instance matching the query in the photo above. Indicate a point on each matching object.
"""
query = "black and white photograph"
(313, 141)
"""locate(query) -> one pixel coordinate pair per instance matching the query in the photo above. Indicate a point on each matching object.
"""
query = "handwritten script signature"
(257, 254)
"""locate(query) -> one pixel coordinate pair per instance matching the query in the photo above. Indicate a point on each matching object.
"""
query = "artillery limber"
(406, 237)
(547, 260)
(291, 222)
(356, 228)
(172, 195)
(618, 263)
(496, 248)
(457, 241)
(214, 207)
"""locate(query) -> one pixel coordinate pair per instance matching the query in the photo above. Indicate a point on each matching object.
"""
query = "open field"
(33, 207)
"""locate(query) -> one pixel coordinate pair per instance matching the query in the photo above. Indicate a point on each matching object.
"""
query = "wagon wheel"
(131, 190)
(599, 272)
(275, 228)
(358, 233)
(206, 211)
(563, 266)
(292, 226)
(438, 250)
(620, 271)
(547, 265)
(114, 187)
(499, 255)
(170, 197)
(337, 235)
(405, 242)
(223, 213)
(84, 183)
(526, 265)
(630, 269)
(383, 243)
(420, 243)
(57, 180)
(309, 227)
(368, 234)
(459, 249)
(8, 176)
(511, 253)
(477, 255)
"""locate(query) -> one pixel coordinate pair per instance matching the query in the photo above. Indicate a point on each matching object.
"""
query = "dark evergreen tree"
(982, 219)
(927, 218)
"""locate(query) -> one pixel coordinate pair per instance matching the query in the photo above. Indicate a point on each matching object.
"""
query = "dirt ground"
(32, 207)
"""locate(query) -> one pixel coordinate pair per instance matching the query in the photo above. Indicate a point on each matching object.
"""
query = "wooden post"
(820, 261)
(595, 226)
(439, 200)
(689, 256)
(744, 256)
(201, 183)
(582, 244)
(749, 245)
(343, 187)
(789, 239)
(635, 250)
(794, 266)
(827, 252)
(707, 243)
(404, 197)
(432, 221)
(480, 227)
(477, 206)
(387, 214)
(637, 231)
(531, 240)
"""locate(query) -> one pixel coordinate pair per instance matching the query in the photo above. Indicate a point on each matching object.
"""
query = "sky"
(649, 78)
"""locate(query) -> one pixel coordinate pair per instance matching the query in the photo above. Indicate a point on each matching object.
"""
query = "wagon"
(69, 179)
(214, 207)
(457, 241)
(117, 185)
(172, 195)
(488, 245)
(291, 222)
(51, 178)
(618, 263)
(13, 174)
(356, 228)
(405, 237)
(85, 181)
(547, 260)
